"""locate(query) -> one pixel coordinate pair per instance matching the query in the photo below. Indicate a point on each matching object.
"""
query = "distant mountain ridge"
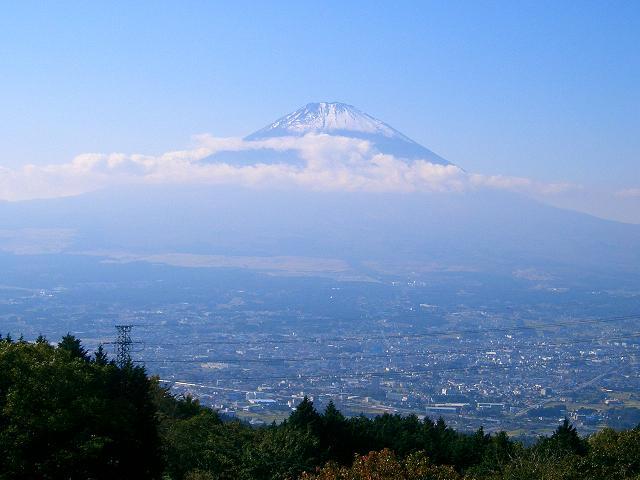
(483, 231)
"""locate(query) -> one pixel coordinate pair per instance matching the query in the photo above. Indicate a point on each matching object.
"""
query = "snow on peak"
(325, 117)
(345, 120)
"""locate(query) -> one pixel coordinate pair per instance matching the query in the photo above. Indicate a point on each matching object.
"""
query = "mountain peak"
(327, 117)
(342, 119)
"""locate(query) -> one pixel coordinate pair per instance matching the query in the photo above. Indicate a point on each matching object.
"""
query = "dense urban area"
(517, 355)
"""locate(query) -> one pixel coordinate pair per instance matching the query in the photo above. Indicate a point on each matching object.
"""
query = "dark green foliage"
(305, 416)
(281, 452)
(64, 414)
(201, 442)
(72, 345)
(564, 441)
(100, 357)
(613, 454)
(334, 436)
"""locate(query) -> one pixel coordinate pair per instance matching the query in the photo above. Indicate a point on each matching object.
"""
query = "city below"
(253, 345)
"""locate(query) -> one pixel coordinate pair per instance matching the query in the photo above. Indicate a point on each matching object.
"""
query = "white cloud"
(522, 185)
(629, 193)
(329, 163)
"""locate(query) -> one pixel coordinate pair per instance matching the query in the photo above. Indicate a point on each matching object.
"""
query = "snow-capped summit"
(348, 121)
(327, 117)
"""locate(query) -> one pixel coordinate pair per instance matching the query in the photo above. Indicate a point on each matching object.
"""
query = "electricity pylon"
(123, 345)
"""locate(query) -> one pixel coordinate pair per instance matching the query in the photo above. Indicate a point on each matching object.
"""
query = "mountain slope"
(479, 231)
(337, 119)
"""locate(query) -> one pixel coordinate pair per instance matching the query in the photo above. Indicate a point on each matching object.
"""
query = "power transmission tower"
(123, 345)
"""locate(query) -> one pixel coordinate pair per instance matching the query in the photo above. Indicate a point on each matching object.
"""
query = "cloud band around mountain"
(328, 163)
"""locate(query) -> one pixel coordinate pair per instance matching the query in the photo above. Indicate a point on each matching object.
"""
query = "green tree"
(64, 418)
(72, 345)
(203, 443)
(334, 437)
(305, 416)
(564, 441)
(613, 454)
(100, 357)
(280, 453)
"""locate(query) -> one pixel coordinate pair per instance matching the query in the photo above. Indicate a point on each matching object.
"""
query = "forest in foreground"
(66, 414)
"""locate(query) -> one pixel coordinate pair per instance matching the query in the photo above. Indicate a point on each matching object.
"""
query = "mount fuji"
(344, 120)
(474, 230)
(334, 119)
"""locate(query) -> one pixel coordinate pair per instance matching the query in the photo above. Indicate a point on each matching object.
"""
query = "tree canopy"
(66, 414)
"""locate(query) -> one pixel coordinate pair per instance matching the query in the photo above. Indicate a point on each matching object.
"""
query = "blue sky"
(544, 90)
